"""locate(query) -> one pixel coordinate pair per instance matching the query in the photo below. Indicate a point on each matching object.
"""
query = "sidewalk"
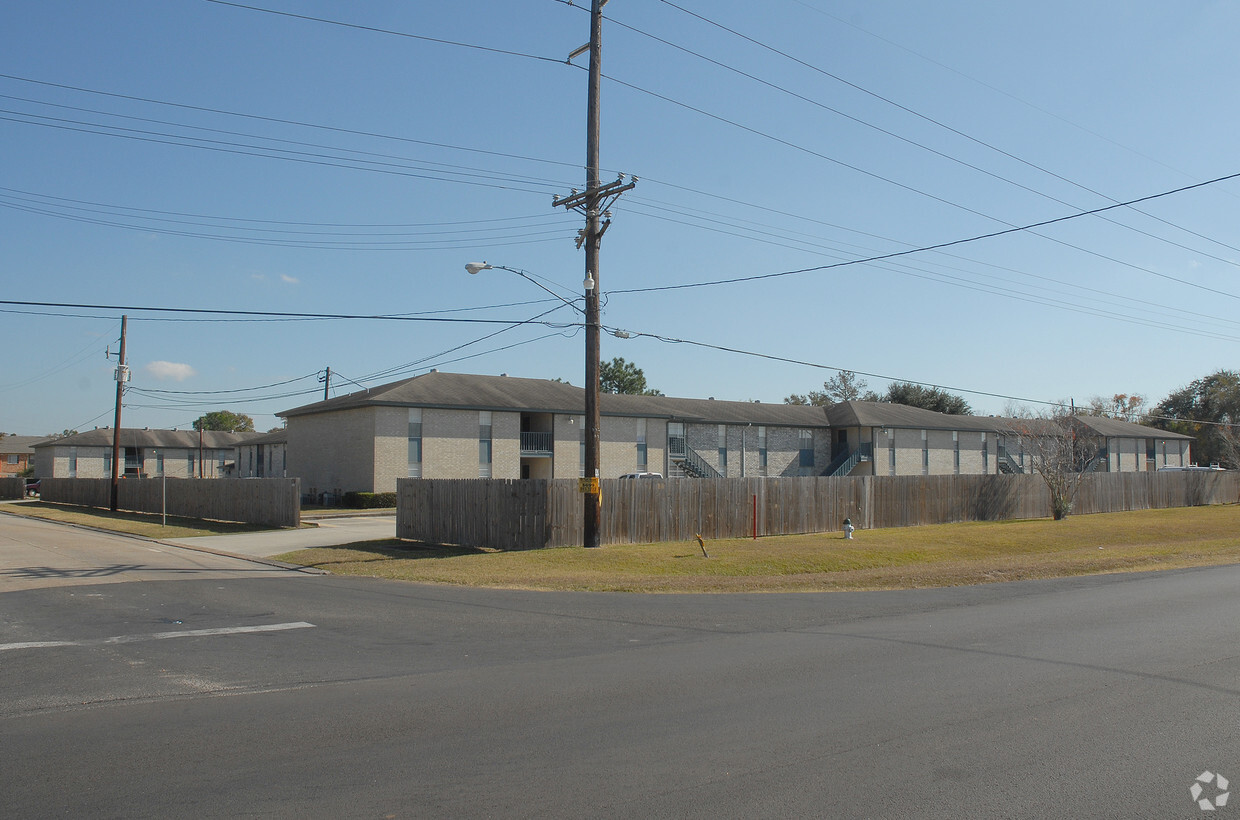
(329, 532)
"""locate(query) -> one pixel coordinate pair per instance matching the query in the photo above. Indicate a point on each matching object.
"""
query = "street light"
(589, 488)
(477, 267)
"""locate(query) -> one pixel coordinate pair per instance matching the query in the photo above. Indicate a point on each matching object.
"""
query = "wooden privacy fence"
(12, 487)
(269, 502)
(509, 514)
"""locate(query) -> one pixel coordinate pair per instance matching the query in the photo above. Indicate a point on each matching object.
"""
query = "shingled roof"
(133, 437)
(505, 393)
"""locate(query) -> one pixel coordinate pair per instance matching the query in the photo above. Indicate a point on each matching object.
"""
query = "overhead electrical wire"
(949, 157)
(771, 238)
(963, 241)
(282, 314)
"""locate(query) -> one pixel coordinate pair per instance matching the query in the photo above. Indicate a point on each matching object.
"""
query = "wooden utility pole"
(122, 376)
(593, 203)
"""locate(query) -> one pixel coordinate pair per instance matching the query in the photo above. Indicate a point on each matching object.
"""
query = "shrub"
(368, 501)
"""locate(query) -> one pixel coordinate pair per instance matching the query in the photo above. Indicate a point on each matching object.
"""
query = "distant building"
(145, 453)
(17, 453)
(450, 425)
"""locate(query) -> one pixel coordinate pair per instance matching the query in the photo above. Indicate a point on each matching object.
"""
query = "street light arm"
(477, 267)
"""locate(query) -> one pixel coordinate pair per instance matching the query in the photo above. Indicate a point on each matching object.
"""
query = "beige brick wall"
(333, 451)
(450, 443)
(618, 446)
(942, 452)
(656, 446)
(971, 453)
(391, 447)
(566, 449)
(505, 445)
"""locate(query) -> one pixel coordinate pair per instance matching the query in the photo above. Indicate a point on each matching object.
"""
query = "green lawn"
(146, 524)
(941, 555)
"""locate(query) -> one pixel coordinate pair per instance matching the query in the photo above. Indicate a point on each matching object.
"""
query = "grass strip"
(132, 523)
(905, 558)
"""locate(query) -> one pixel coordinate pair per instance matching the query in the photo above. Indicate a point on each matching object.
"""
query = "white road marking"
(159, 636)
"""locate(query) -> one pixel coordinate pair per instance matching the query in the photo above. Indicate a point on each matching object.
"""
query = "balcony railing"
(536, 443)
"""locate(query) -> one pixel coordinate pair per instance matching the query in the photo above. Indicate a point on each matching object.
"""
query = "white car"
(658, 476)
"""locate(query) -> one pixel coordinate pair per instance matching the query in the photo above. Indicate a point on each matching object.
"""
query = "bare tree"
(1062, 452)
(1120, 406)
(1229, 444)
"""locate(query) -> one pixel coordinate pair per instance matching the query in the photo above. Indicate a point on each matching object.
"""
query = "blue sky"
(201, 155)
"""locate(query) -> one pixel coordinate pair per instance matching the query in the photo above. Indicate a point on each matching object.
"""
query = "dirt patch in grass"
(913, 557)
(132, 523)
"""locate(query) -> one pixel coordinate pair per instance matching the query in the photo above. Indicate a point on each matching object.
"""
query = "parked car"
(658, 476)
(32, 486)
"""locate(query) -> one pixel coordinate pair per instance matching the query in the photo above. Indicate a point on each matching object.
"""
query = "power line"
(279, 314)
(392, 32)
(954, 242)
(929, 119)
(234, 390)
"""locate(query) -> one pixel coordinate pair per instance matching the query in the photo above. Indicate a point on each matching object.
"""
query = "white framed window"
(72, 462)
(484, 443)
(415, 442)
(761, 450)
(723, 450)
(925, 453)
(806, 441)
(956, 444)
(641, 445)
(891, 452)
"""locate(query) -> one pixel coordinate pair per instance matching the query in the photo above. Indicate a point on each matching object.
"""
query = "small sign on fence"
(588, 485)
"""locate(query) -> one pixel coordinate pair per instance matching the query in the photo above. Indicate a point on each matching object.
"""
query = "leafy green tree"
(927, 398)
(63, 433)
(225, 421)
(1202, 410)
(619, 376)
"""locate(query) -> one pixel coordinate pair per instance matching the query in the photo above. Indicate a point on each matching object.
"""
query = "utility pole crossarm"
(579, 201)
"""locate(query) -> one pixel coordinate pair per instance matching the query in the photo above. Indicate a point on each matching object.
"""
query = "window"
(13, 459)
(807, 448)
(723, 450)
(891, 452)
(107, 463)
(581, 448)
(956, 442)
(72, 462)
(484, 443)
(641, 445)
(189, 464)
(925, 453)
(761, 450)
(159, 463)
(415, 442)
(985, 456)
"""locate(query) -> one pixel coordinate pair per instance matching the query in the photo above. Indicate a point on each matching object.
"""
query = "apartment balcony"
(537, 444)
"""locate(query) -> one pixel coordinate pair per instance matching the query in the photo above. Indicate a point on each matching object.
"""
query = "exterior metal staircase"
(1007, 464)
(844, 463)
(687, 460)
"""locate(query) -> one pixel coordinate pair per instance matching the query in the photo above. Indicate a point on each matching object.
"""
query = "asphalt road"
(266, 693)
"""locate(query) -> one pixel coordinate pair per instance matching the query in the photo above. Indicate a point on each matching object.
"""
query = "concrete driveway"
(329, 532)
